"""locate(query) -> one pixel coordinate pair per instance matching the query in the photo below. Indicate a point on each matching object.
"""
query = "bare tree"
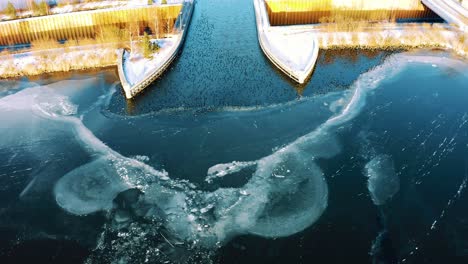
(134, 31)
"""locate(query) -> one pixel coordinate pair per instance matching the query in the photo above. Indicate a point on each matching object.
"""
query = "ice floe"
(383, 183)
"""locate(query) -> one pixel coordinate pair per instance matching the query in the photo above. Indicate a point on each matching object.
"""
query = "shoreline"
(302, 42)
(396, 37)
(60, 74)
(98, 64)
(73, 69)
(384, 36)
(58, 60)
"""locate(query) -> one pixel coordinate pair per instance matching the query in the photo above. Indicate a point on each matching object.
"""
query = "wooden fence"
(86, 24)
(295, 12)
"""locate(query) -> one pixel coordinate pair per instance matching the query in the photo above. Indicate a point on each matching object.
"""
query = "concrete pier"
(294, 48)
(181, 27)
(450, 11)
(293, 54)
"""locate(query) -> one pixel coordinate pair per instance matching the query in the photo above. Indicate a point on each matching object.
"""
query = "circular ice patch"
(89, 188)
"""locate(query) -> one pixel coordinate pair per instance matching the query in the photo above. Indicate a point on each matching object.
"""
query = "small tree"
(164, 2)
(35, 8)
(132, 31)
(147, 46)
(10, 11)
(166, 22)
(150, 2)
(155, 26)
(40, 9)
(43, 8)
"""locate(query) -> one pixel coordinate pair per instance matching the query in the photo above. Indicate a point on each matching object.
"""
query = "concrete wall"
(81, 24)
(290, 12)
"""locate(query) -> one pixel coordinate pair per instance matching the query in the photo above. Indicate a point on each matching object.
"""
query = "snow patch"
(136, 67)
(221, 170)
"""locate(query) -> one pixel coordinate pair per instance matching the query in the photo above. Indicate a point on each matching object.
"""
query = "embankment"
(391, 36)
(57, 60)
(92, 38)
(162, 63)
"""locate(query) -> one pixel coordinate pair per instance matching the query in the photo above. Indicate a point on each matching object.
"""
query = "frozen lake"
(224, 160)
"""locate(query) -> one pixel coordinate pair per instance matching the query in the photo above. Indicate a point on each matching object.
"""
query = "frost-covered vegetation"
(58, 60)
(47, 54)
(32, 8)
(148, 46)
(391, 36)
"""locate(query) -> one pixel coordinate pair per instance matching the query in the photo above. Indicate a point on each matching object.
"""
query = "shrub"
(44, 44)
(43, 8)
(40, 9)
(35, 8)
(148, 47)
(10, 11)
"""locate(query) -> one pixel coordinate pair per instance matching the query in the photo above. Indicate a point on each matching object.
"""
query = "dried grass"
(362, 35)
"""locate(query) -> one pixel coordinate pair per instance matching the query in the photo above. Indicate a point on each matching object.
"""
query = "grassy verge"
(392, 37)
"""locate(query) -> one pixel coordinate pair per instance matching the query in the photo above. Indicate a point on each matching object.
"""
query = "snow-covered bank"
(136, 66)
(57, 60)
(107, 4)
(394, 36)
(293, 49)
(145, 71)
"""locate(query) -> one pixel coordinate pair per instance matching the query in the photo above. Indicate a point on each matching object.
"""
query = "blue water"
(416, 117)
(367, 163)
